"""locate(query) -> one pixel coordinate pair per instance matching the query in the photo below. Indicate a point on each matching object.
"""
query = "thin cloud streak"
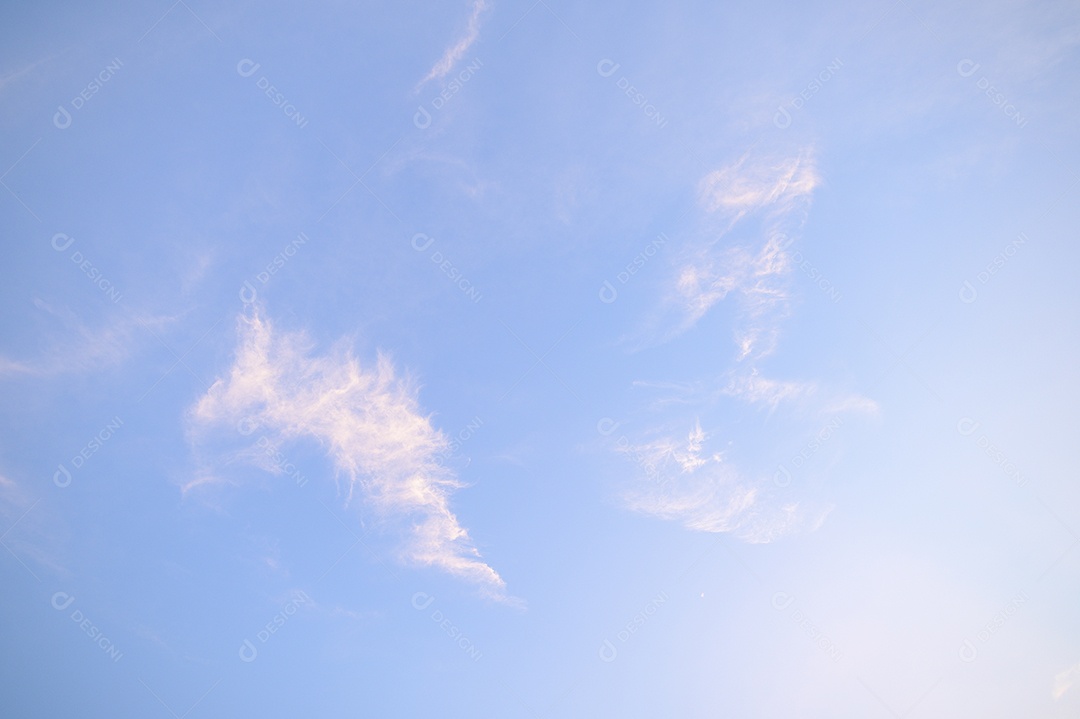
(369, 421)
(455, 52)
(84, 349)
(748, 185)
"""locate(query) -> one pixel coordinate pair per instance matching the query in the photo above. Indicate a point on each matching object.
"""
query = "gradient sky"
(539, 359)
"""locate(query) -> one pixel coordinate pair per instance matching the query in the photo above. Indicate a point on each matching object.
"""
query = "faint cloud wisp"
(455, 52)
(767, 198)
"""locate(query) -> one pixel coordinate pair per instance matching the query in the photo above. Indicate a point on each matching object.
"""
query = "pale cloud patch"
(11, 493)
(1064, 681)
(758, 278)
(706, 493)
(30, 530)
(756, 273)
(764, 299)
(369, 420)
(852, 404)
(77, 347)
(765, 200)
(749, 184)
(750, 386)
(702, 284)
(753, 388)
(455, 52)
(13, 76)
(685, 454)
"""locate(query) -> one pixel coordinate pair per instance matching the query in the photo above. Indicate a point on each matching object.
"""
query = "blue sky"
(528, 359)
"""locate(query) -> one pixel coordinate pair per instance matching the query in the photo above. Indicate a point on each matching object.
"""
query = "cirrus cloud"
(370, 422)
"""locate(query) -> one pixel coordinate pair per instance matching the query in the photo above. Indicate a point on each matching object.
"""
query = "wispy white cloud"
(758, 277)
(1064, 681)
(30, 530)
(750, 183)
(853, 404)
(370, 422)
(455, 52)
(13, 76)
(683, 482)
(753, 388)
(11, 493)
(766, 199)
(79, 347)
(755, 271)
(750, 386)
